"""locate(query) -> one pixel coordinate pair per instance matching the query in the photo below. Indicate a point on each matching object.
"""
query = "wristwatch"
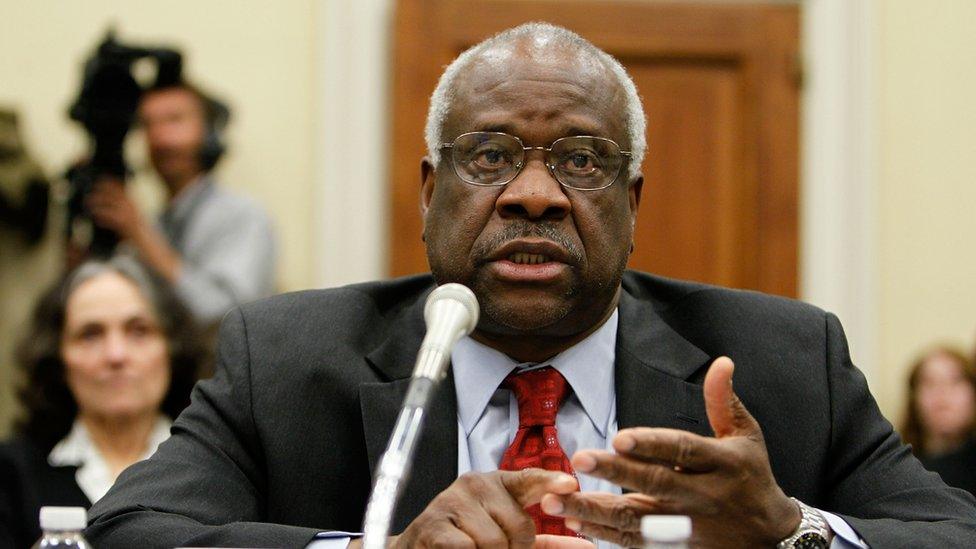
(812, 533)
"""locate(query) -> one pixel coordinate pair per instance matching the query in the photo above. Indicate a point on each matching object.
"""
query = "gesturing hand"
(724, 483)
(487, 510)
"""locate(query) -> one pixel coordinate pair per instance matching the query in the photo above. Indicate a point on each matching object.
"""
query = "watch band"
(813, 531)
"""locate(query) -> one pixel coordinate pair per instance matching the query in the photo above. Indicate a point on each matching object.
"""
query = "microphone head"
(454, 293)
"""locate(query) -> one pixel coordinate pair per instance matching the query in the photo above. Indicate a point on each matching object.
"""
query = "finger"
(505, 511)
(517, 526)
(448, 536)
(102, 217)
(101, 208)
(622, 512)
(648, 478)
(529, 485)
(673, 447)
(608, 533)
(480, 526)
(104, 190)
(545, 541)
(98, 201)
(726, 413)
(108, 182)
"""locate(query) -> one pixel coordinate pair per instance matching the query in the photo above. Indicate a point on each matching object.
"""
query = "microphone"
(451, 312)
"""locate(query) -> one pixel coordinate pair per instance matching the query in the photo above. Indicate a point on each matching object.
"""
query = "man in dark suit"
(530, 192)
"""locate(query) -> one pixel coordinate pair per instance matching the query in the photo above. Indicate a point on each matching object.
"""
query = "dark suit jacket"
(280, 444)
(28, 482)
(957, 468)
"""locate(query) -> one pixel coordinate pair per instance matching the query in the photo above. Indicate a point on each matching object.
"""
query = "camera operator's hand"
(111, 208)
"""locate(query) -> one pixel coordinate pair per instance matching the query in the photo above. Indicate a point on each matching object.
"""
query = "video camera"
(106, 107)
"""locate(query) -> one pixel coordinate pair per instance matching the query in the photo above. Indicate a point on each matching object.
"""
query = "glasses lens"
(586, 162)
(486, 158)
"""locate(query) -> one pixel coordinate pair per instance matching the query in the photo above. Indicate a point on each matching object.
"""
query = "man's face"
(542, 259)
(173, 120)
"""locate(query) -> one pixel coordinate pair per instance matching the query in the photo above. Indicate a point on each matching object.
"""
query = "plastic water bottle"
(62, 528)
(666, 531)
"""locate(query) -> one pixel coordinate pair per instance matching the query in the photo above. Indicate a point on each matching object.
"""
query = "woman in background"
(109, 361)
(940, 420)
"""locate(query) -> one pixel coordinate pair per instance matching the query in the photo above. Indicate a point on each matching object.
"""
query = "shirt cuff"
(332, 540)
(844, 536)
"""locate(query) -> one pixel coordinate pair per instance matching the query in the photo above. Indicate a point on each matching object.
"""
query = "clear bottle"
(62, 528)
(666, 531)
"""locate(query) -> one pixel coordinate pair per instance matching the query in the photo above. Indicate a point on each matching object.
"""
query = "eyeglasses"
(581, 162)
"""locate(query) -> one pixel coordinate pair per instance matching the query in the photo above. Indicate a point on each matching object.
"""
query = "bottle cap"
(63, 518)
(669, 528)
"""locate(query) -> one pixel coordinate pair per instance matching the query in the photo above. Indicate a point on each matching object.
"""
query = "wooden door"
(720, 89)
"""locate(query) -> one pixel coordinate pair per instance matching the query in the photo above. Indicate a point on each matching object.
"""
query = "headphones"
(216, 116)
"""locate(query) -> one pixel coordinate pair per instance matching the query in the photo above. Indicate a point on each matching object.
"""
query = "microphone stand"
(394, 467)
(456, 311)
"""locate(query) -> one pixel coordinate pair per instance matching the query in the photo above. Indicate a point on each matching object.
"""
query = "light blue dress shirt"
(488, 415)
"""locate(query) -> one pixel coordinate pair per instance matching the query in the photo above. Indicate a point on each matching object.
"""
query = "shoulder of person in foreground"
(356, 315)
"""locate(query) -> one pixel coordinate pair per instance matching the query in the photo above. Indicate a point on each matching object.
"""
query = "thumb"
(529, 485)
(726, 413)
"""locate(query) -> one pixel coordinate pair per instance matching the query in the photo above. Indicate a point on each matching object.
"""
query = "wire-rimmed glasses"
(581, 162)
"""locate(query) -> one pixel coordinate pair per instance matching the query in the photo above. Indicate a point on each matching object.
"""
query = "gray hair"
(543, 34)
(121, 264)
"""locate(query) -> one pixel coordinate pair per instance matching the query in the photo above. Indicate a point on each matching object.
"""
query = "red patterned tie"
(539, 393)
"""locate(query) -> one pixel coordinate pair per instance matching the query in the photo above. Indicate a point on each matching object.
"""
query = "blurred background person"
(109, 361)
(216, 247)
(940, 417)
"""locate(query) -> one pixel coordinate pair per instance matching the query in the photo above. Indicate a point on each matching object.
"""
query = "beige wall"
(927, 191)
(257, 55)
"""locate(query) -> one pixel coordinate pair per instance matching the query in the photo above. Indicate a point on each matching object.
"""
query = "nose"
(534, 194)
(116, 349)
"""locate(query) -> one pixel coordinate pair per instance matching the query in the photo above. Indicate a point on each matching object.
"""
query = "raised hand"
(724, 483)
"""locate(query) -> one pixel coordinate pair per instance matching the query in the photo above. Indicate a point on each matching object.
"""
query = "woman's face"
(114, 350)
(946, 400)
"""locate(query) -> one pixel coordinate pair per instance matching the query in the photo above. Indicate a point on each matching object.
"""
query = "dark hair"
(912, 430)
(216, 116)
(49, 407)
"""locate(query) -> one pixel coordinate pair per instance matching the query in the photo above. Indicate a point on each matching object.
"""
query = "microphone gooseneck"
(451, 312)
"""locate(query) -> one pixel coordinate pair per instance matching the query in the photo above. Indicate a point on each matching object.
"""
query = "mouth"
(522, 258)
(536, 261)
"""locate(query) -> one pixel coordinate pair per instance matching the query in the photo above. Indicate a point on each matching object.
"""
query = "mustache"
(525, 229)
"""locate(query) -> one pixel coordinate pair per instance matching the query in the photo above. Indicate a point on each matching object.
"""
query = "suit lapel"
(435, 463)
(653, 365)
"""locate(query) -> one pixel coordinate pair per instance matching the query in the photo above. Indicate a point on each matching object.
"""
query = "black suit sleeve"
(205, 485)
(872, 479)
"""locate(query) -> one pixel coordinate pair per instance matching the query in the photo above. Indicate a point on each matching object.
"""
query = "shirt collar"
(183, 202)
(77, 448)
(587, 366)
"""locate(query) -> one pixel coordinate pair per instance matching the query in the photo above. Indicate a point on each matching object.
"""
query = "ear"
(635, 195)
(427, 177)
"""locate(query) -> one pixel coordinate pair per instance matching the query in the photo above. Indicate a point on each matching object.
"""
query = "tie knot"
(539, 394)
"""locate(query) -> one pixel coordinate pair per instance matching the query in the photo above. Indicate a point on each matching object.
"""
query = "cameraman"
(215, 247)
